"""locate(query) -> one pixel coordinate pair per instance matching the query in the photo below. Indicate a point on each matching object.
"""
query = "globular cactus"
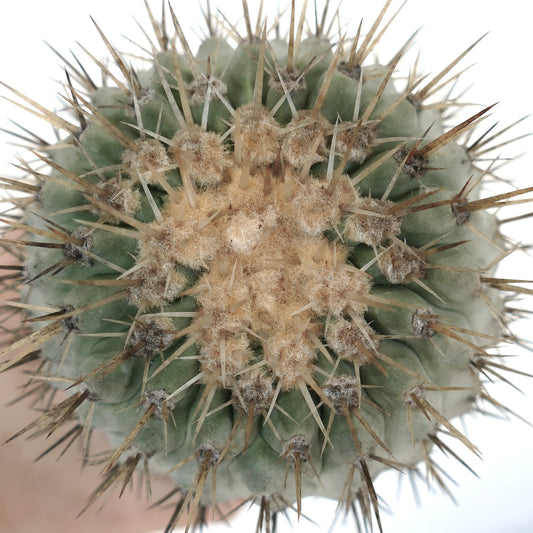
(268, 270)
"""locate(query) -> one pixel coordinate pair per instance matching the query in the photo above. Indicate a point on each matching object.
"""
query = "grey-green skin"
(455, 296)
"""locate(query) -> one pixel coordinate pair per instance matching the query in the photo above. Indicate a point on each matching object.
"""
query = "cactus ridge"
(265, 270)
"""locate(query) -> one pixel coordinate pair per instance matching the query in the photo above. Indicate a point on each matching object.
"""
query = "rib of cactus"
(267, 264)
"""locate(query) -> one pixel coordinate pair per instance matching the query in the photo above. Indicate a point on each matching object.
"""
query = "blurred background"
(35, 498)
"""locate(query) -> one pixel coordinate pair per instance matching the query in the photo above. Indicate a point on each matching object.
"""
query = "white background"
(500, 501)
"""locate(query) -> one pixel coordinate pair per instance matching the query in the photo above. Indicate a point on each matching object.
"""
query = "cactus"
(267, 269)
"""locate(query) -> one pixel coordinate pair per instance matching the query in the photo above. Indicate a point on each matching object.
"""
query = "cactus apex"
(267, 270)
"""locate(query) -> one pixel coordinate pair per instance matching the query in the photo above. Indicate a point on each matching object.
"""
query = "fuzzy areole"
(254, 243)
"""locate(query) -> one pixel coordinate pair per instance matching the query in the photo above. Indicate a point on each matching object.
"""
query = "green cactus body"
(271, 261)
